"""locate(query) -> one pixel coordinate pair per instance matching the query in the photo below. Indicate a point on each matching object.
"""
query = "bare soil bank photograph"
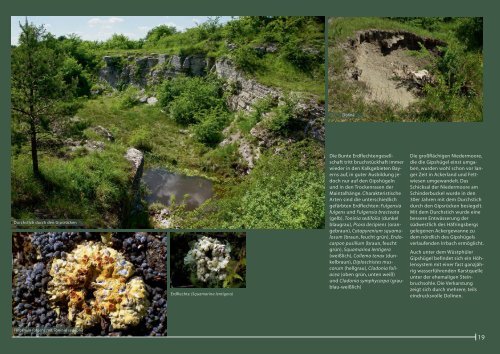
(89, 284)
(415, 69)
(206, 124)
(208, 260)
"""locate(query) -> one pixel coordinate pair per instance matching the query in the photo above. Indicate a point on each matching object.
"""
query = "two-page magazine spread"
(223, 177)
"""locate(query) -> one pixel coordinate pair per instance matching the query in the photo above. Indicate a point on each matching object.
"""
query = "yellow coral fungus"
(93, 268)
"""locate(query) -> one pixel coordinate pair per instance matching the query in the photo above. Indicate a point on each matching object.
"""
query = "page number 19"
(480, 337)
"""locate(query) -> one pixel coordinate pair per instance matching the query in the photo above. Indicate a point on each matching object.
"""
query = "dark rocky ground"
(33, 253)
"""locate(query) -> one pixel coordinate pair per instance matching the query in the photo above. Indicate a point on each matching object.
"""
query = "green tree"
(120, 41)
(37, 83)
(470, 32)
(155, 34)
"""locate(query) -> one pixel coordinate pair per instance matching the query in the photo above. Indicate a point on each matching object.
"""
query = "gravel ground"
(33, 253)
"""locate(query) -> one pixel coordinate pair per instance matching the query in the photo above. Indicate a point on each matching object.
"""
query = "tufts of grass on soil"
(457, 94)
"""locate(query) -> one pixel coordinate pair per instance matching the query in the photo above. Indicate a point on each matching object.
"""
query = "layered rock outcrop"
(245, 91)
(142, 71)
(392, 40)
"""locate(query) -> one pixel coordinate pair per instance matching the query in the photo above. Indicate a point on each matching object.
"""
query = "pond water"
(164, 185)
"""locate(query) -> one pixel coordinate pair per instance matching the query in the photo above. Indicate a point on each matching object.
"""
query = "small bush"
(470, 32)
(225, 160)
(129, 98)
(246, 121)
(186, 97)
(100, 87)
(73, 74)
(120, 41)
(181, 110)
(170, 89)
(209, 131)
(246, 59)
(282, 118)
(300, 56)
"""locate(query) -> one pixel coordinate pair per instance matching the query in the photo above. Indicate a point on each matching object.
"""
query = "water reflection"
(164, 185)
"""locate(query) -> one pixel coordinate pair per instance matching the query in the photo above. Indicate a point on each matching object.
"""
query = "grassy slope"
(92, 187)
(84, 187)
(346, 97)
(148, 123)
(342, 28)
(281, 74)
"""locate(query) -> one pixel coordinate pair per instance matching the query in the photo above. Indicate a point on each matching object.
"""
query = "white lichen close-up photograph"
(210, 257)
(208, 260)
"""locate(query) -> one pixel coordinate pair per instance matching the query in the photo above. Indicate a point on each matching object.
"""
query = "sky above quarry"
(103, 27)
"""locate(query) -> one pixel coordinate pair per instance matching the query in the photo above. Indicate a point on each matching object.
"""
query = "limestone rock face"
(195, 65)
(246, 91)
(152, 101)
(112, 71)
(313, 115)
(136, 159)
(151, 69)
(176, 63)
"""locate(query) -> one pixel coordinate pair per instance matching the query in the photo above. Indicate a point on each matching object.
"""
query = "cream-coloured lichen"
(94, 281)
(210, 257)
